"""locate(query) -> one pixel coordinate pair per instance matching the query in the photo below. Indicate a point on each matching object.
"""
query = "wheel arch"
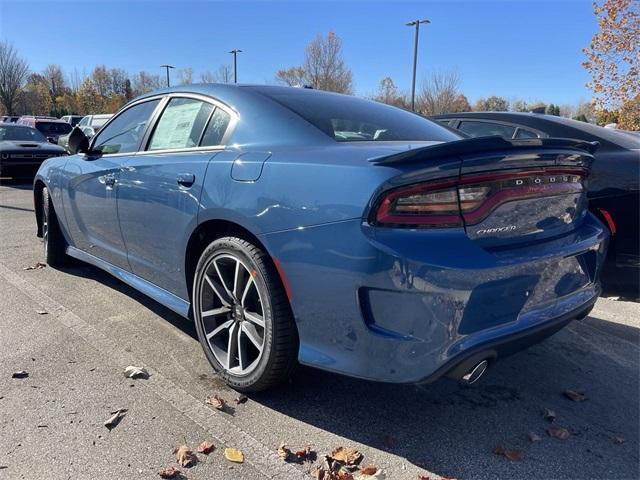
(210, 230)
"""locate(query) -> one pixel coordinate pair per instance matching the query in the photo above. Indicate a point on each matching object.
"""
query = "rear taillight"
(470, 199)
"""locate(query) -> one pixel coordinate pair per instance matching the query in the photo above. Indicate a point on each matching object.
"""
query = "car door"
(159, 188)
(90, 204)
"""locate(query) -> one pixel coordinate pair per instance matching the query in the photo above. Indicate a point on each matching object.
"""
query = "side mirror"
(78, 142)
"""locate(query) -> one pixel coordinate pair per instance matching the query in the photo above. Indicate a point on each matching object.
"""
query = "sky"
(516, 49)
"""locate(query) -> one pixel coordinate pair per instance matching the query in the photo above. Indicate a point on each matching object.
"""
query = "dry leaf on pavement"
(216, 402)
(206, 447)
(575, 396)
(41, 312)
(368, 470)
(283, 451)
(558, 432)
(136, 372)
(534, 437)
(617, 439)
(347, 455)
(233, 455)
(549, 415)
(20, 374)
(36, 266)
(184, 456)
(304, 453)
(115, 418)
(512, 454)
(169, 472)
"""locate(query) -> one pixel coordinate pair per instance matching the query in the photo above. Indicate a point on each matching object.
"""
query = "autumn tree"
(13, 73)
(613, 58)
(460, 104)
(438, 93)
(323, 68)
(89, 101)
(144, 82)
(388, 93)
(491, 104)
(519, 106)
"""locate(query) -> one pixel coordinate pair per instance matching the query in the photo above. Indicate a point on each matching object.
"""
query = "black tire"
(278, 357)
(52, 238)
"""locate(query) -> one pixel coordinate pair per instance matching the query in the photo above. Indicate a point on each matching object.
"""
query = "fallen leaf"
(347, 455)
(575, 396)
(368, 470)
(558, 432)
(136, 372)
(216, 402)
(169, 472)
(42, 312)
(549, 415)
(283, 451)
(617, 439)
(498, 450)
(241, 399)
(20, 374)
(233, 455)
(36, 266)
(534, 437)
(114, 420)
(304, 453)
(342, 475)
(514, 455)
(184, 456)
(206, 447)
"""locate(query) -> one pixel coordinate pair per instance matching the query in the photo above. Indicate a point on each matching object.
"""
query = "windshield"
(54, 127)
(99, 121)
(350, 119)
(20, 134)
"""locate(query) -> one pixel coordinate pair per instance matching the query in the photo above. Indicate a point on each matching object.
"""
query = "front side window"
(124, 133)
(486, 129)
(181, 124)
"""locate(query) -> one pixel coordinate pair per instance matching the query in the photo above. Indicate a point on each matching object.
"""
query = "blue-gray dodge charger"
(295, 225)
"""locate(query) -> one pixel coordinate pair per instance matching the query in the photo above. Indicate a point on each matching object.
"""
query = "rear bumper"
(406, 306)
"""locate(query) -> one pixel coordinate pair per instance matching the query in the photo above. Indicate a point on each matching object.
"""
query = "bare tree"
(293, 76)
(144, 82)
(185, 76)
(13, 73)
(54, 77)
(323, 69)
(224, 74)
(439, 93)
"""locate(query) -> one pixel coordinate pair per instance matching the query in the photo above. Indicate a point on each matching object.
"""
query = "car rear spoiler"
(479, 145)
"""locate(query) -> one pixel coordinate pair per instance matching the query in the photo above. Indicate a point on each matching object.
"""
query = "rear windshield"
(351, 119)
(54, 127)
(20, 134)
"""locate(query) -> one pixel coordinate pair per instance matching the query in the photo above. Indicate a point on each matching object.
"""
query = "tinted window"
(351, 119)
(98, 122)
(485, 129)
(181, 124)
(522, 133)
(123, 135)
(58, 128)
(215, 129)
(20, 134)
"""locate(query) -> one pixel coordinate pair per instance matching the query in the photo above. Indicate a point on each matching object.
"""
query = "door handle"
(186, 179)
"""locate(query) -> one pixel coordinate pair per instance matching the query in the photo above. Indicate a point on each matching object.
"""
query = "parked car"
(89, 125)
(9, 119)
(22, 150)
(73, 120)
(299, 225)
(50, 127)
(614, 184)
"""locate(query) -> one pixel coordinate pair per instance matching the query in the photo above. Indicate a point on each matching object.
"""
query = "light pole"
(415, 60)
(235, 53)
(167, 67)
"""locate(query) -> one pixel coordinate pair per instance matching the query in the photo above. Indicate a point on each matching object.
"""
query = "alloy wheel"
(232, 313)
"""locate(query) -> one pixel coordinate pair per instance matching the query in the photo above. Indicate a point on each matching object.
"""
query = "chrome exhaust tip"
(476, 372)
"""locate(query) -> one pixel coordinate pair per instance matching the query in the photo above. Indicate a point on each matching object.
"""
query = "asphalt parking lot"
(51, 423)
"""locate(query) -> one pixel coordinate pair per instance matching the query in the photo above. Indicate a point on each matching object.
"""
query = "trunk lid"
(511, 191)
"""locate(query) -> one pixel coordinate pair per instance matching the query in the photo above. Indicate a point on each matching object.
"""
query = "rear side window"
(523, 133)
(124, 133)
(350, 119)
(486, 129)
(216, 128)
(54, 127)
(181, 124)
